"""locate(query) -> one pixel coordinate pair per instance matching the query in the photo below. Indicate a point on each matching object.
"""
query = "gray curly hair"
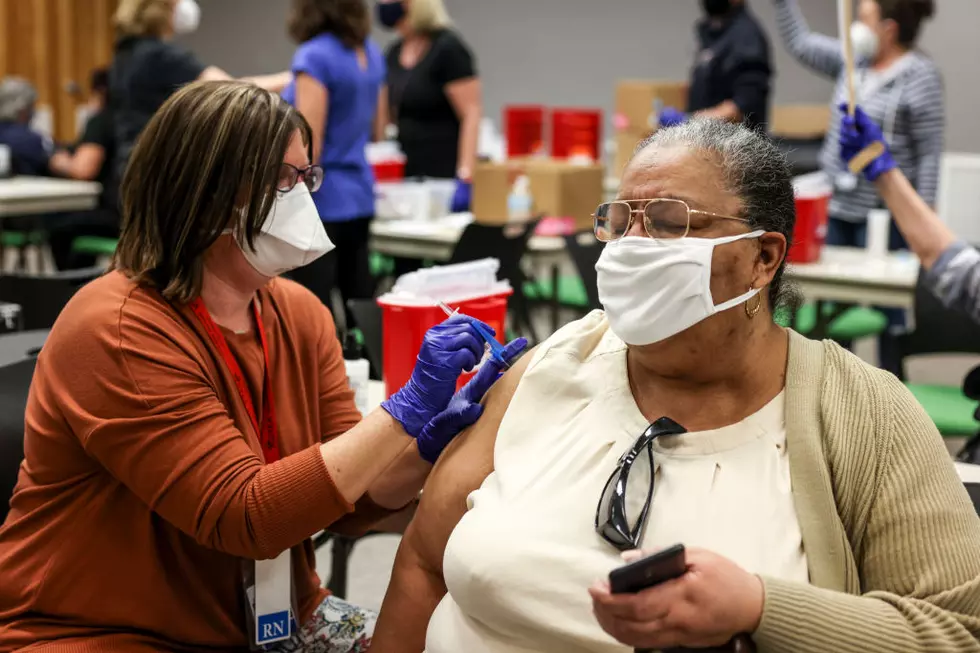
(753, 169)
(17, 97)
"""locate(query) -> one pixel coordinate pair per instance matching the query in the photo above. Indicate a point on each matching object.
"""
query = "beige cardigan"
(886, 522)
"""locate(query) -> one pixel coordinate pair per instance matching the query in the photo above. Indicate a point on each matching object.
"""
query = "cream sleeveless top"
(520, 561)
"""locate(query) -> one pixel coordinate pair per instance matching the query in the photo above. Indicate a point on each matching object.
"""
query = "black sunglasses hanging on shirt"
(620, 519)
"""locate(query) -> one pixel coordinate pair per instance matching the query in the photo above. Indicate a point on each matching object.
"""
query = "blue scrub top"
(348, 183)
(29, 151)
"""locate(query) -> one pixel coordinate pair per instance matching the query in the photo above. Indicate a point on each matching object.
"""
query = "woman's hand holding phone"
(712, 603)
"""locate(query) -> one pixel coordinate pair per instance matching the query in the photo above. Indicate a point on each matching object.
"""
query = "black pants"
(346, 268)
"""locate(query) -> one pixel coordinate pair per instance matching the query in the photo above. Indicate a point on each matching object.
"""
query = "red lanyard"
(268, 433)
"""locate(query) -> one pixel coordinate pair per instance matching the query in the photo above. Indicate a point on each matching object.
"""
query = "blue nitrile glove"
(462, 196)
(447, 351)
(464, 408)
(858, 133)
(671, 117)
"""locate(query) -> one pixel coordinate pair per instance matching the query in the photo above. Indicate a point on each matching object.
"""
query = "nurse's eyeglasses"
(290, 175)
(624, 505)
(663, 219)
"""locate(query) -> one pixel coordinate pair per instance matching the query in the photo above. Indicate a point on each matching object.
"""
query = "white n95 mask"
(864, 41)
(292, 236)
(652, 290)
(187, 16)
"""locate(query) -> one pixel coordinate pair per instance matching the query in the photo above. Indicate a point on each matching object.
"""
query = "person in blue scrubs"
(339, 76)
(30, 152)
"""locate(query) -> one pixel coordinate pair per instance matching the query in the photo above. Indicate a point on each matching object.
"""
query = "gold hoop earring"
(752, 312)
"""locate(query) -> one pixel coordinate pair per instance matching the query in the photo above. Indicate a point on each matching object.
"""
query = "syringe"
(496, 349)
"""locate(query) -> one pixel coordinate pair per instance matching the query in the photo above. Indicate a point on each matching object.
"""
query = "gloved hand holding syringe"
(496, 349)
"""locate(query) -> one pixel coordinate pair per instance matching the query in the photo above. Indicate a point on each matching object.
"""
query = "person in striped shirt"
(901, 90)
(952, 266)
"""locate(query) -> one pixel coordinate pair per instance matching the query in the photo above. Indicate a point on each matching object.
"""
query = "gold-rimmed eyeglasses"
(663, 219)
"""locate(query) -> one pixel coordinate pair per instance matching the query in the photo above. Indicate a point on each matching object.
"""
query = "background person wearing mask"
(731, 76)
(148, 68)
(190, 411)
(338, 75)
(952, 266)
(30, 152)
(434, 94)
(900, 89)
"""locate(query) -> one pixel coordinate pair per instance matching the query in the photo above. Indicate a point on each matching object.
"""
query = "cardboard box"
(626, 142)
(800, 121)
(635, 100)
(559, 189)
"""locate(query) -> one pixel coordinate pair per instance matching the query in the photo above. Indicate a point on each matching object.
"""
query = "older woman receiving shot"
(817, 502)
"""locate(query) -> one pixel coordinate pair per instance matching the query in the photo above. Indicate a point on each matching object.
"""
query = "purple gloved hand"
(858, 133)
(462, 197)
(464, 408)
(448, 350)
(671, 117)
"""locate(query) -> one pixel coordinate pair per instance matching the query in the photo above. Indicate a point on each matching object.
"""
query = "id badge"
(269, 596)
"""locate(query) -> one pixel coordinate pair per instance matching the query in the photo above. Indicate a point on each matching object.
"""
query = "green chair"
(21, 239)
(17, 242)
(853, 323)
(381, 265)
(950, 409)
(94, 246)
(571, 291)
(939, 330)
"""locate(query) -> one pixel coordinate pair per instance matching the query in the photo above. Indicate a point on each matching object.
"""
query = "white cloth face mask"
(292, 236)
(652, 290)
(864, 41)
(187, 16)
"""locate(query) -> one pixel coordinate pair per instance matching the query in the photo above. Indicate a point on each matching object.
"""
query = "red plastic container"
(524, 126)
(389, 171)
(812, 207)
(404, 327)
(576, 132)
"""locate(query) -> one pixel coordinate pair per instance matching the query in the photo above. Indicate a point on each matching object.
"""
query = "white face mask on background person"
(864, 41)
(292, 236)
(652, 290)
(187, 16)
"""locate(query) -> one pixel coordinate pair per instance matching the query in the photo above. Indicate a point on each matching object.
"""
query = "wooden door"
(56, 44)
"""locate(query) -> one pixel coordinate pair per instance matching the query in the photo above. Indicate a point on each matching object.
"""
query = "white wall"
(570, 52)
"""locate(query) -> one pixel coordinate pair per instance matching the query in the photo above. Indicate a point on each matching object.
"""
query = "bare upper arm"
(213, 74)
(312, 100)
(465, 95)
(87, 162)
(461, 469)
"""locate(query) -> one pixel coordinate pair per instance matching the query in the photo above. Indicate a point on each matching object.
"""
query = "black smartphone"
(659, 568)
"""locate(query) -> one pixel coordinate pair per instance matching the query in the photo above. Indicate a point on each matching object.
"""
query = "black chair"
(973, 489)
(584, 250)
(41, 298)
(367, 317)
(508, 244)
(15, 382)
(939, 330)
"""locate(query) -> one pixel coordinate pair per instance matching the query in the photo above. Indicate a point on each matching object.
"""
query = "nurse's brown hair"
(909, 16)
(208, 160)
(348, 20)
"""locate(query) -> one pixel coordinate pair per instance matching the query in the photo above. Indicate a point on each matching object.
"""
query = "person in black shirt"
(434, 94)
(89, 160)
(732, 73)
(91, 157)
(148, 68)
